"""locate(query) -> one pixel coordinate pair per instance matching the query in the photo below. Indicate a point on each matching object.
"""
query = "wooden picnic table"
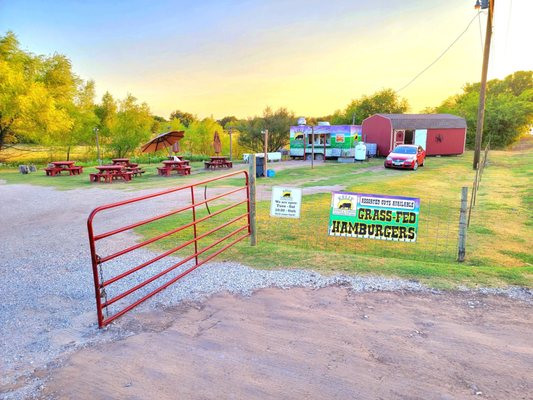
(181, 167)
(176, 162)
(129, 166)
(120, 161)
(63, 164)
(108, 173)
(218, 162)
(56, 167)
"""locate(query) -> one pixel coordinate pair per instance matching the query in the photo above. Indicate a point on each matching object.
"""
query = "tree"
(106, 112)
(278, 124)
(158, 124)
(227, 120)
(508, 108)
(132, 127)
(199, 136)
(185, 117)
(385, 101)
(30, 99)
(82, 115)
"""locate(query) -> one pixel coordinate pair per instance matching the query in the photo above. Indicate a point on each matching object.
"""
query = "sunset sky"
(236, 57)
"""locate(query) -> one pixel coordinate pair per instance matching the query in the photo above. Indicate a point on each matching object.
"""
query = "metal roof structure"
(425, 121)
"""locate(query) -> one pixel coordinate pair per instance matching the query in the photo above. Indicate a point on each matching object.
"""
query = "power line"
(508, 27)
(480, 33)
(440, 56)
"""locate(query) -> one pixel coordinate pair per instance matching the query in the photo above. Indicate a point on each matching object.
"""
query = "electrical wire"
(480, 32)
(508, 28)
(440, 56)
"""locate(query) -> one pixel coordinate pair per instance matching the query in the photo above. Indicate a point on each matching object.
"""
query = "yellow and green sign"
(374, 216)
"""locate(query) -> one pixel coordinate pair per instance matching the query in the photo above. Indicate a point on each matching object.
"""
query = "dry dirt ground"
(329, 343)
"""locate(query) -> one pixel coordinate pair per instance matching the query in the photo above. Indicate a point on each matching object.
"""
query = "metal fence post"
(252, 178)
(462, 226)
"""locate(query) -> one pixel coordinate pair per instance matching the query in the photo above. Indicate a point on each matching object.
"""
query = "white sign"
(286, 202)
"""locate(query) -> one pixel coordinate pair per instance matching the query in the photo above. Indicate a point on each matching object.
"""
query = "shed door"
(421, 136)
(398, 138)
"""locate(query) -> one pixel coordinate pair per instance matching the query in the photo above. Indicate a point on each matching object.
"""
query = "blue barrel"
(371, 149)
(270, 173)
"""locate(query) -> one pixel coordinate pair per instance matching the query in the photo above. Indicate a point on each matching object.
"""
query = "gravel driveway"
(46, 294)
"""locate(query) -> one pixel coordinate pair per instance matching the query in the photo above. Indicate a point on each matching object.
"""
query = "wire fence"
(477, 180)
(437, 236)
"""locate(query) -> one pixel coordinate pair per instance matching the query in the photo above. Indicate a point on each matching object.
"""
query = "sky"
(221, 58)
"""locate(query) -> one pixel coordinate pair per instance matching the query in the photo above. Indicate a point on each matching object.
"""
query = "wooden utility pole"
(230, 152)
(324, 136)
(312, 147)
(483, 88)
(97, 147)
(266, 154)
(252, 194)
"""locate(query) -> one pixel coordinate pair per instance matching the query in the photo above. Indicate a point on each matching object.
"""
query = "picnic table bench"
(135, 170)
(218, 162)
(56, 167)
(108, 173)
(181, 167)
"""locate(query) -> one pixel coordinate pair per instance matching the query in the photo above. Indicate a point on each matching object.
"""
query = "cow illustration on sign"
(287, 194)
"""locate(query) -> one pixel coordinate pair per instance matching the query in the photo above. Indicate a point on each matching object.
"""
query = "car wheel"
(415, 167)
(319, 157)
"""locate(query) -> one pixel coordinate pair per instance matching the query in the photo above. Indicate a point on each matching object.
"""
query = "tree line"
(43, 101)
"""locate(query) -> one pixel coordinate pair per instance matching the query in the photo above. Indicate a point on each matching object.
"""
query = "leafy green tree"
(508, 108)
(131, 128)
(385, 101)
(31, 103)
(185, 117)
(56, 74)
(174, 125)
(229, 120)
(278, 124)
(106, 112)
(83, 117)
(159, 124)
(199, 136)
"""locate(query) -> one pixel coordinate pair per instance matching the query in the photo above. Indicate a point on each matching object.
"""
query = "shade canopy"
(217, 145)
(163, 141)
(176, 147)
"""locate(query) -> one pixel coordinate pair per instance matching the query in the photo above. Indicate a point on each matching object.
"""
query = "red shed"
(438, 134)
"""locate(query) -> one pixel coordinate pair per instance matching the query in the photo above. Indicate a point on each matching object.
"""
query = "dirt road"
(329, 343)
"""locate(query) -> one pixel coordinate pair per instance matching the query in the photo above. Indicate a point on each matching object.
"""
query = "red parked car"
(406, 156)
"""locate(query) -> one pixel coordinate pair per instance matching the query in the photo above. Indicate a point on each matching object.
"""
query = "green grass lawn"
(500, 226)
(148, 180)
(498, 250)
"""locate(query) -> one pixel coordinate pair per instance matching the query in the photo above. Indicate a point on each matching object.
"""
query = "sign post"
(251, 177)
(265, 174)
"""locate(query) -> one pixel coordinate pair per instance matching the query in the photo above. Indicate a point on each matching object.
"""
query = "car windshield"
(404, 150)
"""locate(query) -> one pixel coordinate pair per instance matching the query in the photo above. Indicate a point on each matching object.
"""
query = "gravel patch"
(46, 292)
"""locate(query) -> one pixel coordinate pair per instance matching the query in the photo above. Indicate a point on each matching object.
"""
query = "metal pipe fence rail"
(437, 239)
(194, 227)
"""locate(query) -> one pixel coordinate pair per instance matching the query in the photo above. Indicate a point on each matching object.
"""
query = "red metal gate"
(121, 275)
